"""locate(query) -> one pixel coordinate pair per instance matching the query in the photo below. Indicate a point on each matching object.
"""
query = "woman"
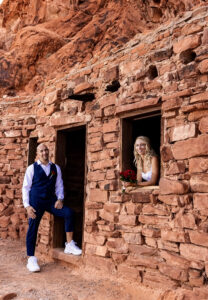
(146, 162)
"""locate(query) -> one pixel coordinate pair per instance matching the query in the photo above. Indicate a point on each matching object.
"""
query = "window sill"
(131, 190)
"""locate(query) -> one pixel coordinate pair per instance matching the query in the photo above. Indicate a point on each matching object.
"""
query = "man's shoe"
(71, 248)
(32, 264)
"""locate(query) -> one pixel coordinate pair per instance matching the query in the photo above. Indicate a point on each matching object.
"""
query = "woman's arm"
(139, 171)
(155, 173)
(139, 176)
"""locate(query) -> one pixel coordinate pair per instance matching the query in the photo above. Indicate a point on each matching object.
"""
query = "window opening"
(33, 143)
(187, 56)
(148, 124)
(113, 87)
(152, 72)
(83, 97)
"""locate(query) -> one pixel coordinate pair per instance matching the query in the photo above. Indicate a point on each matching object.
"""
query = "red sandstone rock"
(203, 66)
(172, 187)
(151, 232)
(199, 97)
(191, 147)
(174, 272)
(189, 42)
(174, 236)
(199, 183)
(95, 239)
(203, 125)
(152, 210)
(112, 207)
(127, 219)
(198, 165)
(192, 252)
(107, 216)
(176, 168)
(91, 217)
(166, 245)
(185, 221)
(172, 104)
(68, 34)
(201, 202)
(98, 195)
(4, 221)
(155, 220)
(155, 279)
(133, 238)
(166, 153)
(196, 115)
(183, 132)
(117, 245)
(199, 238)
(140, 197)
(175, 259)
(142, 260)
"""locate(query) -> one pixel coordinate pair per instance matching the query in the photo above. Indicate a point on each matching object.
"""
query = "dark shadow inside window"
(33, 143)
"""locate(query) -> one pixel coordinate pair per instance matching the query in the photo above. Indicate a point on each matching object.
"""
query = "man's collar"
(39, 162)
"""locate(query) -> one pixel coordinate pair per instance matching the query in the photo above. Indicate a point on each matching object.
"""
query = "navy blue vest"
(43, 186)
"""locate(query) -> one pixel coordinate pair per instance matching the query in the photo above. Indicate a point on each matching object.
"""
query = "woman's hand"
(128, 184)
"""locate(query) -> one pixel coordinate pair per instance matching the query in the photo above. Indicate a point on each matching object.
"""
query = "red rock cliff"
(41, 39)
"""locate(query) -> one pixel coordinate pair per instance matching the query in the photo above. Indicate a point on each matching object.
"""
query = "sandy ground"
(59, 282)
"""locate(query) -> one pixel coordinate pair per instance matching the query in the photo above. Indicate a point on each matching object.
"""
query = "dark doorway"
(149, 125)
(70, 156)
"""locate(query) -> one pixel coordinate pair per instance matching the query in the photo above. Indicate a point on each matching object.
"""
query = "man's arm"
(59, 189)
(27, 183)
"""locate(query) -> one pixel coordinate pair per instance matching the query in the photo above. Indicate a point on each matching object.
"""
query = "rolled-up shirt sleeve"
(27, 183)
(59, 189)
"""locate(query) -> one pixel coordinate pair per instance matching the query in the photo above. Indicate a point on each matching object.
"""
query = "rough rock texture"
(157, 235)
(40, 39)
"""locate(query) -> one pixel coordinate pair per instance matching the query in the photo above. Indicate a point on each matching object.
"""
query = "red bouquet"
(128, 176)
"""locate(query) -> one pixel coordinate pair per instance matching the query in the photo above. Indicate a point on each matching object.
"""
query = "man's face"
(43, 153)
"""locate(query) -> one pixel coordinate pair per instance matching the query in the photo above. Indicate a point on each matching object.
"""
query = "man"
(43, 191)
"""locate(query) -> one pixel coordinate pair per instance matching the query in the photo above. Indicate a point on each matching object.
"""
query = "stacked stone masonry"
(159, 235)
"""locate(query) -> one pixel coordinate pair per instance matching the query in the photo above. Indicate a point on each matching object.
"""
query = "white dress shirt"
(27, 183)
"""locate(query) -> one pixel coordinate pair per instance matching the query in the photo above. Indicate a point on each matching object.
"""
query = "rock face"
(43, 39)
(86, 79)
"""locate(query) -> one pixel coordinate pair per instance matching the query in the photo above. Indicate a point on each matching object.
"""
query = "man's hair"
(40, 145)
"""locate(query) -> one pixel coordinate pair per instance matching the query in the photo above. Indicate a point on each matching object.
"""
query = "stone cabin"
(155, 86)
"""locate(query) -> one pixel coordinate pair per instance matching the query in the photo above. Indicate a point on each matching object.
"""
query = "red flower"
(128, 176)
(52, 173)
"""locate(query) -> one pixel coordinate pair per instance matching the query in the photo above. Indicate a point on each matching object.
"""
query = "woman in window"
(146, 162)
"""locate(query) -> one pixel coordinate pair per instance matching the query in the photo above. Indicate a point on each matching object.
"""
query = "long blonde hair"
(149, 153)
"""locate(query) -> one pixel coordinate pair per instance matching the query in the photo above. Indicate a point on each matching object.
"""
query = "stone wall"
(155, 235)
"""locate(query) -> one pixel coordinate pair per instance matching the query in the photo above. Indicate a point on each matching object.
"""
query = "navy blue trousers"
(66, 213)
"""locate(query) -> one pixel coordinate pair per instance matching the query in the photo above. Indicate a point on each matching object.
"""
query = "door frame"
(68, 128)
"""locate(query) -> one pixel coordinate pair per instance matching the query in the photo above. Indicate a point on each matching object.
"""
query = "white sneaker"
(32, 264)
(71, 248)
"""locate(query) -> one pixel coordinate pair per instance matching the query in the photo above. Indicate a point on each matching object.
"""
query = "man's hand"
(58, 204)
(31, 212)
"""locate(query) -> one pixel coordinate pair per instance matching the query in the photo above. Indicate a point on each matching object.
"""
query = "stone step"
(59, 255)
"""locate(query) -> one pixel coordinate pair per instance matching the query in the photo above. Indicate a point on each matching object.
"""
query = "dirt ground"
(58, 282)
